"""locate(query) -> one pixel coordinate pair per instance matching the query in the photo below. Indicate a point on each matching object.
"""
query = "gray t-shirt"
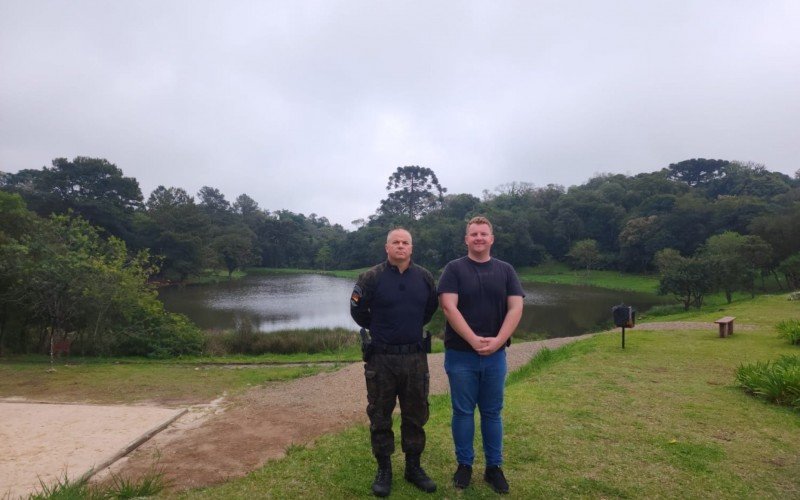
(483, 289)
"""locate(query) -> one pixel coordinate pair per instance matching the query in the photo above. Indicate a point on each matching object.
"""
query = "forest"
(73, 232)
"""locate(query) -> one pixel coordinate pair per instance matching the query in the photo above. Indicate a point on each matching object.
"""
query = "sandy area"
(211, 443)
(48, 441)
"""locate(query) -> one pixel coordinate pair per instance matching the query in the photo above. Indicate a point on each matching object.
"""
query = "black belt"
(379, 348)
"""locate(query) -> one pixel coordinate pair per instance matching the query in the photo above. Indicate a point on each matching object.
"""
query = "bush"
(665, 310)
(244, 337)
(155, 333)
(246, 340)
(790, 328)
(311, 342)
(777, 382)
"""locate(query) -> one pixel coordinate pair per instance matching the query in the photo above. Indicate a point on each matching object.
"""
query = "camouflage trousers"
(393, 377)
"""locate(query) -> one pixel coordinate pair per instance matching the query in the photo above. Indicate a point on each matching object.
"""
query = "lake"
(284, 302)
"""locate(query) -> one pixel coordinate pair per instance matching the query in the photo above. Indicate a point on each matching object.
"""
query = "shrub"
(790, 328)
(777, 382)
(245, 339)
(665, 310)
(313, 341)
(155, 333)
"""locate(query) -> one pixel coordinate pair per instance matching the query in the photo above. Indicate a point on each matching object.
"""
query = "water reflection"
(312, 301)
(567, 310)
(270, 302)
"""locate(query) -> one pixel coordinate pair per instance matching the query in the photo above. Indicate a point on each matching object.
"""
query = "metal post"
(623, 337)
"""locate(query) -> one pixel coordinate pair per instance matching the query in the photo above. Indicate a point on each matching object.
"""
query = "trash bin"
(624, 316)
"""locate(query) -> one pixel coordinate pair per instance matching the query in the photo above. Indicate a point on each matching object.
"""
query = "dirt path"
(228, 439)
(224, 440)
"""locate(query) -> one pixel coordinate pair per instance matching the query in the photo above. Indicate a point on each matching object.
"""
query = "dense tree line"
(63, 286)
(738, 219)
(626, 220)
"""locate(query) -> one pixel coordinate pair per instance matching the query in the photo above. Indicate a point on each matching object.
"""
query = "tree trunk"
(777, 280)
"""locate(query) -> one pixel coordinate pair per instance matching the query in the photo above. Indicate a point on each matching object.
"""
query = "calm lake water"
(308, 301)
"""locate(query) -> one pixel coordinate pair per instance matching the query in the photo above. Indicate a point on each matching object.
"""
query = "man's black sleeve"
(361, 297)
(433, 298)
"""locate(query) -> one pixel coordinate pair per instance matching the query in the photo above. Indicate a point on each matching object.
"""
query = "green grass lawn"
(563, 275)
(661, 419)
(350, 273)
(546, 273)
(135, 381)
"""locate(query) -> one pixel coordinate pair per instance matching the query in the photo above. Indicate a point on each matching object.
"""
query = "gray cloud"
(310, 106)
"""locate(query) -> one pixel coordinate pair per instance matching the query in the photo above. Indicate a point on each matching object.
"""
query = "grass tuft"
(63, 489)
(122, 488)
(790, 329)
(117, 489)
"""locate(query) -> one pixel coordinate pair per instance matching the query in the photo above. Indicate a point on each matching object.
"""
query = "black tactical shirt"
(394, 306)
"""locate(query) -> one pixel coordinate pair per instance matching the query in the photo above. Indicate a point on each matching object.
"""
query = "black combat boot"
(415, 475)
(382, 485)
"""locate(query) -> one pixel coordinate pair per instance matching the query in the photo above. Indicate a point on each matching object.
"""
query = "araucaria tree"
(414, 191)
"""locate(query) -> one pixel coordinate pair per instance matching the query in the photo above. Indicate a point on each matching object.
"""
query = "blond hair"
(480, 220)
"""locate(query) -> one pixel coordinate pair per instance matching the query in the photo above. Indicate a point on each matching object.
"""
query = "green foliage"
(688, 279)
(154, 333)
(413, 192)
(664, 310)
(71, 285)
(234, 247)
(118, 488)
(245, 339)
(639, 240)
(790, 329)
(790, 268)
(694, 206)
(734, 260)
(177, 230)
(124, 488)
(585, 253)
(93, 188)
(697, 171)
(775, 381)
(630, 217)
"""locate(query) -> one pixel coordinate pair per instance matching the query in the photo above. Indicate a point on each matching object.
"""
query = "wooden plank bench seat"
(725, 326)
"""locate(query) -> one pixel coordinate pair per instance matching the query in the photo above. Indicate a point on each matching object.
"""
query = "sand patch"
(48, 441)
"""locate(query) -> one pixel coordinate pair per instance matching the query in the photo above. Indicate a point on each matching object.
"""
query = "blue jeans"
(477, 380)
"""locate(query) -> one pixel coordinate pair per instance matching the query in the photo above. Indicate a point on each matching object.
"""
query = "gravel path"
(216, 442)
(228, 439)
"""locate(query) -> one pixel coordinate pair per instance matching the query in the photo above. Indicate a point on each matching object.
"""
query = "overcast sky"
(311, 105)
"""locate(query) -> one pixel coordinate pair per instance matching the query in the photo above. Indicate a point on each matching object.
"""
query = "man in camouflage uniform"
(394, 300)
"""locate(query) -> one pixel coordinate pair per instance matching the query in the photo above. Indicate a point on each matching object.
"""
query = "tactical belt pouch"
(366, 351)
(366, 345)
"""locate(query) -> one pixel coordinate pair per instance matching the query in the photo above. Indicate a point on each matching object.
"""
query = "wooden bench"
(725, 326)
